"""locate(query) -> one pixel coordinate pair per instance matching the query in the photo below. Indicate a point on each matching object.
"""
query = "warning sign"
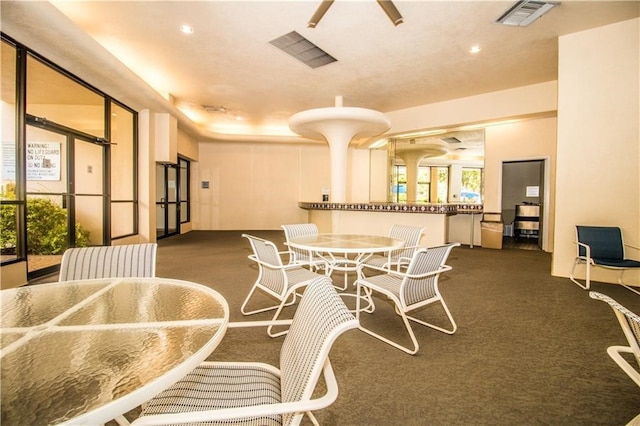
(43, 161)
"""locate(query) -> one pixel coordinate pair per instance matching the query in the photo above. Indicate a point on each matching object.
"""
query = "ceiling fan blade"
(391, 11)
(317, 16)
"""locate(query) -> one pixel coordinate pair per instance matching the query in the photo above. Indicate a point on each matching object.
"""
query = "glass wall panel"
(9, 239)
(122, 219)
(47, 231)
(122, 154)
(185, 213)
(59, 99)
(89, 220)
(11, 205)
(88, 168)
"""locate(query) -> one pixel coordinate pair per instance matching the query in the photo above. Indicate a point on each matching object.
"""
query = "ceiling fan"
(386, 5)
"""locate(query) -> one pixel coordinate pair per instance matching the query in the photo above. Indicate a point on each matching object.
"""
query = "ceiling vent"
(452, 140)
(524, 12)
(303, 50)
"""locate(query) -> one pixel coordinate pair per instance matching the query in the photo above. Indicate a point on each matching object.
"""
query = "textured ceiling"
(228, 61)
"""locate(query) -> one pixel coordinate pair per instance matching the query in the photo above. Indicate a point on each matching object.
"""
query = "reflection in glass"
(59, 99)
(10, 206)
(443, 168)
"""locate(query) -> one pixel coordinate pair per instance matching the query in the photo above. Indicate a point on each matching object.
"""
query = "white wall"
(521, 101)
(598, 159)
(302, 171)
(522, 140)
(256, 185)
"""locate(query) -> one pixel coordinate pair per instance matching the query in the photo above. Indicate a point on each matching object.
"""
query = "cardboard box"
(491, 230)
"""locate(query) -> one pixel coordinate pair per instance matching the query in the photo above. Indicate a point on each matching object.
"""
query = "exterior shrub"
(46, 226)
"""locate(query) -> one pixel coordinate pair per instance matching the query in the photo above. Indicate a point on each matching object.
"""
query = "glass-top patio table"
(85, 352)
(346, 243)
(353, 249)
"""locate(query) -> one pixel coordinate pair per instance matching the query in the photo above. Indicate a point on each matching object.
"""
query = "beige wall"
(598, 161)
(256, 185)
(523, 140)
(518, 102)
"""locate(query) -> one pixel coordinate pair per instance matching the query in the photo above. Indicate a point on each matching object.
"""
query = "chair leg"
(244, 311)
(122, 421)
(405, 320)
(628, 287)
(292, 292)
(587, 283)
(435, 327)
(275, 317)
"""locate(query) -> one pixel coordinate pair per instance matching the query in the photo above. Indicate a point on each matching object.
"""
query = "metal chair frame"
(604, 247)
(252, 393)
(410, 290)
(275, 279)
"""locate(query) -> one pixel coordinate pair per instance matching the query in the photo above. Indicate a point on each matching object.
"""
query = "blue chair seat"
(617, 263)
(604, 247)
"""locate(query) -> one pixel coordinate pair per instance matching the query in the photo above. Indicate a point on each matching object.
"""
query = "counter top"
(446, 209)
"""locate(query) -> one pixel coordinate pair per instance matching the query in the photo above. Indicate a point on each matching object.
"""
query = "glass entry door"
(167, 200)
(65, 201)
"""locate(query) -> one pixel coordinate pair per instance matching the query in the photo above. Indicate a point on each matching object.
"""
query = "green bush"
(46, 226)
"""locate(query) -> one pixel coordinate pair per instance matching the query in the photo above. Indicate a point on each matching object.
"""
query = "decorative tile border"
(448, 209)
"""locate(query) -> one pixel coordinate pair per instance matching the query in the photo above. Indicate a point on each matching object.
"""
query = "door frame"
(68, 195)
(545, 217)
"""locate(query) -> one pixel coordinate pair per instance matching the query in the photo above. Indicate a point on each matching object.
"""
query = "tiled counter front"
(378, 218)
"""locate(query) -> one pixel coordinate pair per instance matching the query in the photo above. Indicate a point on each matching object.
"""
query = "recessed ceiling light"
(475, 49)
(186, 29)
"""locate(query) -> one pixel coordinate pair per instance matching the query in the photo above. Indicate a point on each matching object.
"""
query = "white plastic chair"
(132, 260)
(396, 258)
(250, 393)
(275, 279)
(630, 323)
(297, 255)
(409, 290)
(328, 262)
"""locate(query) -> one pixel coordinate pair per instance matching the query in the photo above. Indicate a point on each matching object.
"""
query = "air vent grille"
(524, 12)
(452, 140)
(303, 50)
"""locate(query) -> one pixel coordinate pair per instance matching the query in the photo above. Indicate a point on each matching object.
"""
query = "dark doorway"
(522, 203)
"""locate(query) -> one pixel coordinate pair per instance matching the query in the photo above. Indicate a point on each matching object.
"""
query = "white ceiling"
(228, 61)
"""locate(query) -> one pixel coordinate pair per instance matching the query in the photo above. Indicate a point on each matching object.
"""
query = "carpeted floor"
(530, 348)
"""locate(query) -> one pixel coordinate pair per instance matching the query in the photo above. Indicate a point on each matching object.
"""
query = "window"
(399, 184)
(423, 185)
(185, 194)
(11, 194)
(443, 185)
(471, 185)
(124, 205)
(80, 151)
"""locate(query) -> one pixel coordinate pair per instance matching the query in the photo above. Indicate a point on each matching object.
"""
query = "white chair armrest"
(259, 410)
(587, 250)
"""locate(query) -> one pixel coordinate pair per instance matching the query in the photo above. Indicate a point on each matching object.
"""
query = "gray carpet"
(530, 348)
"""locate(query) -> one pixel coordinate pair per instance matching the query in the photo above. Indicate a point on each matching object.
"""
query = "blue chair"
(602, 246)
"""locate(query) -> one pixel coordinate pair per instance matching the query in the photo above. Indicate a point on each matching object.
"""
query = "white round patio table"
(357, 244)
(353, 249)
(85, 352)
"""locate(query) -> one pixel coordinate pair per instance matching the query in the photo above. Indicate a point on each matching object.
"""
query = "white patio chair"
(132, 260)
(250, 393)
(297, 255)
(410, 235)
(275, 279)
(327, 262)
(602, 246)
(630, 323)
(409, 290)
